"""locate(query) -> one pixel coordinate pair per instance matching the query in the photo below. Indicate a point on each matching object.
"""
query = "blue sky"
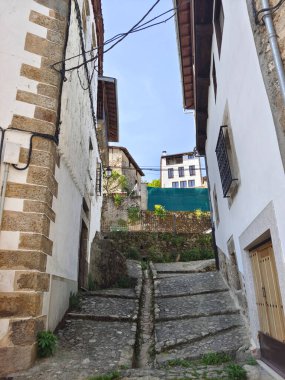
(149, 84)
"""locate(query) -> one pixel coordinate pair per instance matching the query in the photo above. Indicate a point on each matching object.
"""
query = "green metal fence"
(178, 199)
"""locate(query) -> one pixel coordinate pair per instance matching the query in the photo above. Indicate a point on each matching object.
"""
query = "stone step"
(194, 306)
(186, 267)
(112, 293)
(171, 334)
(230, 341)
(194, 283)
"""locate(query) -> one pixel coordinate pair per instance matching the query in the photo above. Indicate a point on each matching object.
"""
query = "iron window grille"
(99, 179)
(224, 163)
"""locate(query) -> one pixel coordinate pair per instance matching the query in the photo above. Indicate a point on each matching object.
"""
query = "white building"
(181, 170)
(230, 79)
(52, 166)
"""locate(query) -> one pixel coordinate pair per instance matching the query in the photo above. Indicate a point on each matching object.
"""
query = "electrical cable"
(270, 9)
(121, 36)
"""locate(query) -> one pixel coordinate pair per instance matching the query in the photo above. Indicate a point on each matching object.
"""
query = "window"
(175, 185)
(170, 173)
(174, 160)
(219, 23)
(191, 156)
(192, 170)
(224, 155)
(214, 78)
(181, 171)
(183, 184)
(191, 183)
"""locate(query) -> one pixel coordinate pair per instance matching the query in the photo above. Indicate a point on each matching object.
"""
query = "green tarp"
(178, 199)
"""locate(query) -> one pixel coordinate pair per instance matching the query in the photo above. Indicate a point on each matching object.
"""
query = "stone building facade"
(53, 198)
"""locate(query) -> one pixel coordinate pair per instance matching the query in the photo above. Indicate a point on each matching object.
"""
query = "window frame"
(176, 183)
(193, 181)
(192, 169)
(219, 23)
(170, 173)
(183, 187)
(181, 171)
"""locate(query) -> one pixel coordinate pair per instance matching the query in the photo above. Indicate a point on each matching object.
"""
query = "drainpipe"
(272, 36)
(3, 191)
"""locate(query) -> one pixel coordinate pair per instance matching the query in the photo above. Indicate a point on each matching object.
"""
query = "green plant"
(118, 199)
(115, 183)
(251, 361)
(133, 214)
(109, 376)
(235, 372)
(154, 183)
(215, 358)
(144, 265)
(46, 343)
(133, 253)
(160, 211)
(74, 301)
(122, 223)
(155, 255)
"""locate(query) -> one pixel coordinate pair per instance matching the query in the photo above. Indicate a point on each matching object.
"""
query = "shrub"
(110, 376)
(133, 214)
(160, 211)
(235, 372)
(122, 223)
(46, 343)
(118, 199)
(133, 253)
(215, 358)
(91, 283)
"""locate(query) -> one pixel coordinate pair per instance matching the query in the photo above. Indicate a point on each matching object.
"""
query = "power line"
(121, 36)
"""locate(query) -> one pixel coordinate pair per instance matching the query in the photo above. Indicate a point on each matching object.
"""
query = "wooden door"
(268, 297)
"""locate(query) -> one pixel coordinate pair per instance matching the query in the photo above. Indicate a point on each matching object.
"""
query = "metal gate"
(269, 304)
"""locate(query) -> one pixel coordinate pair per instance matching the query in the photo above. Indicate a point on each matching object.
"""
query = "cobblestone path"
(177, 313)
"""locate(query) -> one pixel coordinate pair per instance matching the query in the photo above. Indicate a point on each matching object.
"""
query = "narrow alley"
(179, 322)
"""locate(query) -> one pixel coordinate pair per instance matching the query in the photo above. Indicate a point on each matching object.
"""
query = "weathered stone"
(107, 263)
(27, 191)
(32, 125)
(36, 99)
(43, 75)
(37, 242)
(47, 90)
(40, 207)
(20, 304)
(188, 267)
(24, 331)
(42, 176)
(25, 222)
(22, 260)
(23, 357)
(32, 281)
(47, 22)
(43, 47)
(45, 114)
(40, 158)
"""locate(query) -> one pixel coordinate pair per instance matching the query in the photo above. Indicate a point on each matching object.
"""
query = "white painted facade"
(258, 208)
(185, 174)
(76, 174)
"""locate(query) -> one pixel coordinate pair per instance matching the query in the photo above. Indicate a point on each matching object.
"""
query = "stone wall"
(162, 245)
(268, 68)
(43, 205)
(233, 278)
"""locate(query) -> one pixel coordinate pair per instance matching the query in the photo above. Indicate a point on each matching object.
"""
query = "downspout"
(272, 36)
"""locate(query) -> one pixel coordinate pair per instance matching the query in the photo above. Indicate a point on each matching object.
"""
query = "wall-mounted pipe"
(272, 36)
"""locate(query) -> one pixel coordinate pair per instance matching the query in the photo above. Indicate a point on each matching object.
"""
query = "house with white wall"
(233, 77)
(52, 151)
(181, 170)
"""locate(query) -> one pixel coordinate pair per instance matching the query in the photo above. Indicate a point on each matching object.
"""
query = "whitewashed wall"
(240, 84)
(167, 182)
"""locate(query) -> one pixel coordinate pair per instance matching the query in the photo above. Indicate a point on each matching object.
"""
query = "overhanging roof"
(129, 156)
(195, 20)
(184, 42)
(107, 96)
